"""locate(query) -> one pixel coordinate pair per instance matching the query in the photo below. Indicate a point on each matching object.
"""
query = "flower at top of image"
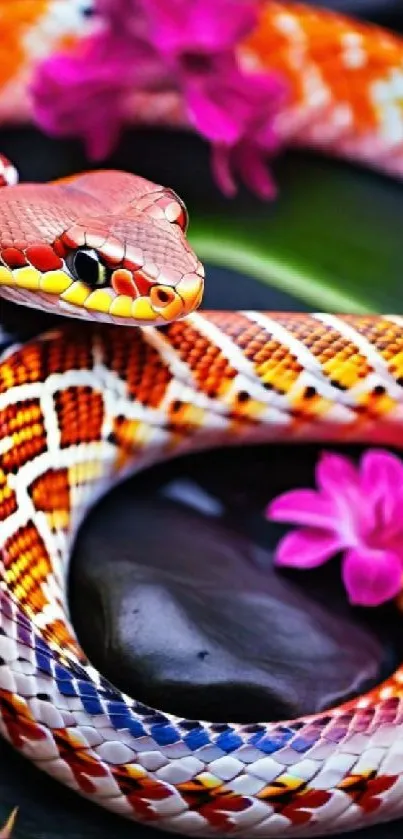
(356, 511)
(155, 47)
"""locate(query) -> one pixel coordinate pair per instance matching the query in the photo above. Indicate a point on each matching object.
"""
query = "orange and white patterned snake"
(82, 407)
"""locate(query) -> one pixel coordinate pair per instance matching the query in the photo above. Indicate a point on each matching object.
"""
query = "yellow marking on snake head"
(172, 311)
(99, 301)
(55, 282)
(142, 309)
(76, 294)
(121, 306)
(190, 288)
(27, 277)
(6, 277)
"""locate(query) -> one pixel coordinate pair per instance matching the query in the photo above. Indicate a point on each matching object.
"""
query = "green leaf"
(333, 238)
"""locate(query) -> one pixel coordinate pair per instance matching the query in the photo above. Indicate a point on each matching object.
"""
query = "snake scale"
(84, 405)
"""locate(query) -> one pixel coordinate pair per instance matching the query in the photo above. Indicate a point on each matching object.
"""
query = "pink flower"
(355, 512)
(199, 26)
(149, 47)
(87, 92)
(259, 97)
(234, 111)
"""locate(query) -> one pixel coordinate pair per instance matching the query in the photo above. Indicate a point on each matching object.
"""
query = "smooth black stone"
(184, 610)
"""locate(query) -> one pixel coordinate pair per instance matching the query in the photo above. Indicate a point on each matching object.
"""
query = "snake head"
(118, 251)
(135, 267)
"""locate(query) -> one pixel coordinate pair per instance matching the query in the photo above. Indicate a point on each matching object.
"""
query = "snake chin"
(58, 294)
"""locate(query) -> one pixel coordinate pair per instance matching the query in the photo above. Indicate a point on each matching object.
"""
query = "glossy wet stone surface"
(175, 597)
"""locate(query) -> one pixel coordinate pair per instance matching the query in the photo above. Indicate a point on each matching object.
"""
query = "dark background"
(122, 548)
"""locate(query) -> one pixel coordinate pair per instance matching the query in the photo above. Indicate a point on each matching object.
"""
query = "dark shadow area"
(385, 13)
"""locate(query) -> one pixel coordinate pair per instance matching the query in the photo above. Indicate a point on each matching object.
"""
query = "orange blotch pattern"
(385, 336)
(16, 19)
(276, 367)
(51, 491)
(8, 500)
(80, 413)
(140, 365)
(212, 371)
(23, 425)
(27, 566)
(292, 38)
(36, 361)
(339, 358)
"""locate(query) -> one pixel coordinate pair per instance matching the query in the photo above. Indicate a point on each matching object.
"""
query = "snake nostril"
(161, 296)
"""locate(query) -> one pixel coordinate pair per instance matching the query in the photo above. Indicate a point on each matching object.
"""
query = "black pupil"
(163, 296)
(86, 267)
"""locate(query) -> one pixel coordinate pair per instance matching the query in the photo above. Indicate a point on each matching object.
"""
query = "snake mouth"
(162, 304)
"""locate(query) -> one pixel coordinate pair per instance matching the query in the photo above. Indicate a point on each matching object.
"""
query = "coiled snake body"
(80, 407)
(86, 404)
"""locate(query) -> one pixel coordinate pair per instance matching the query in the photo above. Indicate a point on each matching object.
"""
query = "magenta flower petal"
(189, 49)
(222, 169)
(209, 114)
(358, 511)
(338, 479)
(84, 94)
(335, 474)
(251, 164)
(381, 480)
(380, 467)
(307, 548)
(245, 161)
(372, 576)
(302, 506)
(198, 26)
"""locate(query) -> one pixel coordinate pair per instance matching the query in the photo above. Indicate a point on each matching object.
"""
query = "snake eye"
(85, 265)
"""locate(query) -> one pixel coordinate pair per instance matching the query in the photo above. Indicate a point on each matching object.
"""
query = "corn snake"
(81, 408)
